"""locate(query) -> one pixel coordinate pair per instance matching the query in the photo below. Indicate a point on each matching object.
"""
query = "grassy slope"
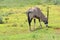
(22, 3)
(17, 3)
(16, 27)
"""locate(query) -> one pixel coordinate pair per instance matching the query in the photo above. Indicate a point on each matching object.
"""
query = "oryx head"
(46, 21)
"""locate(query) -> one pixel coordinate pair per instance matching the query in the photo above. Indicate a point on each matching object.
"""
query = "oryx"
(35, 12)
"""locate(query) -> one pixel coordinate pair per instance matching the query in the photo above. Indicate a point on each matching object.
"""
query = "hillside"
(22, 3)
(14, 23)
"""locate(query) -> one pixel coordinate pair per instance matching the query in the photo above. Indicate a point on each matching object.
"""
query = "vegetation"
(22, 3)
(15, 24)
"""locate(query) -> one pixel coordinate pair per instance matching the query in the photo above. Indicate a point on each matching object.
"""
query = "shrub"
(14, 25)
(1, 20)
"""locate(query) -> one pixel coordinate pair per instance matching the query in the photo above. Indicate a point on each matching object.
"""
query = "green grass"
(16, 25)
(23, 3)
(41, 34)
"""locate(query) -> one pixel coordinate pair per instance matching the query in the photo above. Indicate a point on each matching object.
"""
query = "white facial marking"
(46, 24)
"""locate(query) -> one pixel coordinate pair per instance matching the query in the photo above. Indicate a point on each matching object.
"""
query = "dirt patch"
(57, 30)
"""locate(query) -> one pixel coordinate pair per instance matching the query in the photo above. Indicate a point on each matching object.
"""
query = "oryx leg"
(34, 22)
(40, 23)
(29, 21)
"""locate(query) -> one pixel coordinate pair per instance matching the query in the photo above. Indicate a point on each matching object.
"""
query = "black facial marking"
(46, 22)
(29, 12)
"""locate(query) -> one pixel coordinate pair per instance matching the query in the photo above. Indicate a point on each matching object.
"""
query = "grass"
(42, 34)
(15, 25)
(23, 3)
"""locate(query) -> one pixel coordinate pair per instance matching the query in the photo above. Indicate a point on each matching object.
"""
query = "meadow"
(15, 25)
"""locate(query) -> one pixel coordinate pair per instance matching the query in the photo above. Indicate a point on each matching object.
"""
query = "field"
(15, 25)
